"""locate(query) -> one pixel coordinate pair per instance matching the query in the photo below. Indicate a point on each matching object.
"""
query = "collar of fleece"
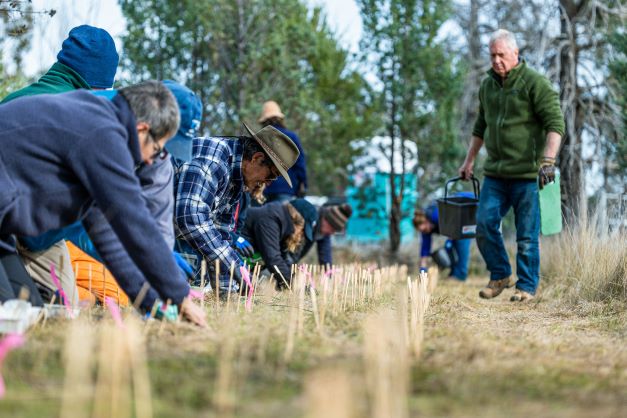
(127, 118)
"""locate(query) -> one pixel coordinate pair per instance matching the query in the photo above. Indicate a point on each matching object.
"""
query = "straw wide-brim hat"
(279, 147)
(270, 110)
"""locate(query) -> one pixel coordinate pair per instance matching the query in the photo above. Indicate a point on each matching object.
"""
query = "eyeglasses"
(160, 152)
(274, 173)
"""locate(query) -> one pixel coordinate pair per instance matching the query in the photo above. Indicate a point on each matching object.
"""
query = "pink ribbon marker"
(115, 311)
(331, 272)
(246, 277)
(62, 294)
(195, 294)
(307, 274)
(8, 343)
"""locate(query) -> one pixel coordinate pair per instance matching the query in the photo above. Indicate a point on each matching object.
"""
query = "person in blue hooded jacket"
(426, 221)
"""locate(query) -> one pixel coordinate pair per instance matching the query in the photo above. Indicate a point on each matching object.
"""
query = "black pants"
(14, 277)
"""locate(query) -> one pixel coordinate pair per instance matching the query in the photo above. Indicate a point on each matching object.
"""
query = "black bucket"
(457, 217)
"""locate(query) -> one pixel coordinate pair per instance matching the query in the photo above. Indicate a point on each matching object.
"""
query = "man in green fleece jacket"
(87, 60)
(521, 124)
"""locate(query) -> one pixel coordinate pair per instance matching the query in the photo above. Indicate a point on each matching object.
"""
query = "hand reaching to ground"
(193, 313)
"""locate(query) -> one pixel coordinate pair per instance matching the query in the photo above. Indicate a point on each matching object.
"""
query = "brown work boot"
(495, 287)
(521, 296)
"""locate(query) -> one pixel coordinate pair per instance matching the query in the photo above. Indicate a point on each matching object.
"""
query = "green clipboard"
(551, 208)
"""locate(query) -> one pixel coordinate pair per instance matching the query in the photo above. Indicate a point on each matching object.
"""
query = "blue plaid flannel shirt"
(208, 189)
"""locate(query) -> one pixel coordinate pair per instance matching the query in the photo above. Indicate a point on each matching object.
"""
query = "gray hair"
(153, 103)
(504, 35)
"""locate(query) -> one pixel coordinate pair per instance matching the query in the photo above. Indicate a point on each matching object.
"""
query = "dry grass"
(306, 353)
(498, 358)
(586, 263)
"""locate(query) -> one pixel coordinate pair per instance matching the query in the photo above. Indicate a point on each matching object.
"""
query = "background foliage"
(415, 77)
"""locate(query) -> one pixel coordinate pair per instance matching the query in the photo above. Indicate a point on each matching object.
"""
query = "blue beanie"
(91, 53)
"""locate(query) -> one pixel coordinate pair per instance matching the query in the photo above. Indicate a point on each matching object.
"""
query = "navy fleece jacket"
(59, 154)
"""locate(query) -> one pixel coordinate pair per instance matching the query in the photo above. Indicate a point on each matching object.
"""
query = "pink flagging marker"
(114, 309)
(7, 344)
(57, 283)
(195, 294)
(246, 277)
(331, 272)
(307, 274)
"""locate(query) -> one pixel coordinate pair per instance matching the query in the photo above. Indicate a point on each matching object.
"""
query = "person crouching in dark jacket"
(283, 232)
(275, 230)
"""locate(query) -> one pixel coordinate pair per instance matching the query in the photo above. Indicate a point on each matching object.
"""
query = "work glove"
(243, 247)
(183, 265)
(546, 174)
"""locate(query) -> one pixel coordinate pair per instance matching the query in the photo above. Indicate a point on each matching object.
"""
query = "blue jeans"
(497, 197)
(461, 257)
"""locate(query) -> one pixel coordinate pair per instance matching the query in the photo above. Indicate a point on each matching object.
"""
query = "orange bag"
(93, 280)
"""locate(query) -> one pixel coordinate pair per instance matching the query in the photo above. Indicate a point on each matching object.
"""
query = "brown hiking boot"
(521, 296)
(495, 287)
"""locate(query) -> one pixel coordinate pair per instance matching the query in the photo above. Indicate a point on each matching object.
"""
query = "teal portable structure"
(370, 197)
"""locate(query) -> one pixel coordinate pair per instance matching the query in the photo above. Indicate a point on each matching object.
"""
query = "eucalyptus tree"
(418, 86)
(238, 54)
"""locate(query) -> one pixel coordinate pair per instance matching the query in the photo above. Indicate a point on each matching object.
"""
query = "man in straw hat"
(209, 187)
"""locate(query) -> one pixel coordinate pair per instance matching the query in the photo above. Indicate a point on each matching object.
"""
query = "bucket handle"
(475, 185)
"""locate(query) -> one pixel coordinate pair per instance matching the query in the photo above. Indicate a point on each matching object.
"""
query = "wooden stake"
(228, 295)
(283, 278)
(203, 272)
(217, 284)
(141, 295)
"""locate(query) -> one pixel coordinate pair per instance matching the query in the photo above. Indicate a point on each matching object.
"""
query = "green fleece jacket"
(514, 117)
(58, 79)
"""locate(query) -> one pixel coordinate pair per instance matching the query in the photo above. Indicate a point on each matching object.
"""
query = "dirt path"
(497, 358)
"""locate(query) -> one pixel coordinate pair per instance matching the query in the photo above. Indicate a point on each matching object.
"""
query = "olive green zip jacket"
(514, 118)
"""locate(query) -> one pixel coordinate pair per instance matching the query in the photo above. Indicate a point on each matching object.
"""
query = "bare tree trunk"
(477, 62)
(571, 158)
(395, 215)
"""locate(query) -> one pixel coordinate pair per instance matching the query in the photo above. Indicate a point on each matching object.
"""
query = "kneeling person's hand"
(244, 247)
(193, 313)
